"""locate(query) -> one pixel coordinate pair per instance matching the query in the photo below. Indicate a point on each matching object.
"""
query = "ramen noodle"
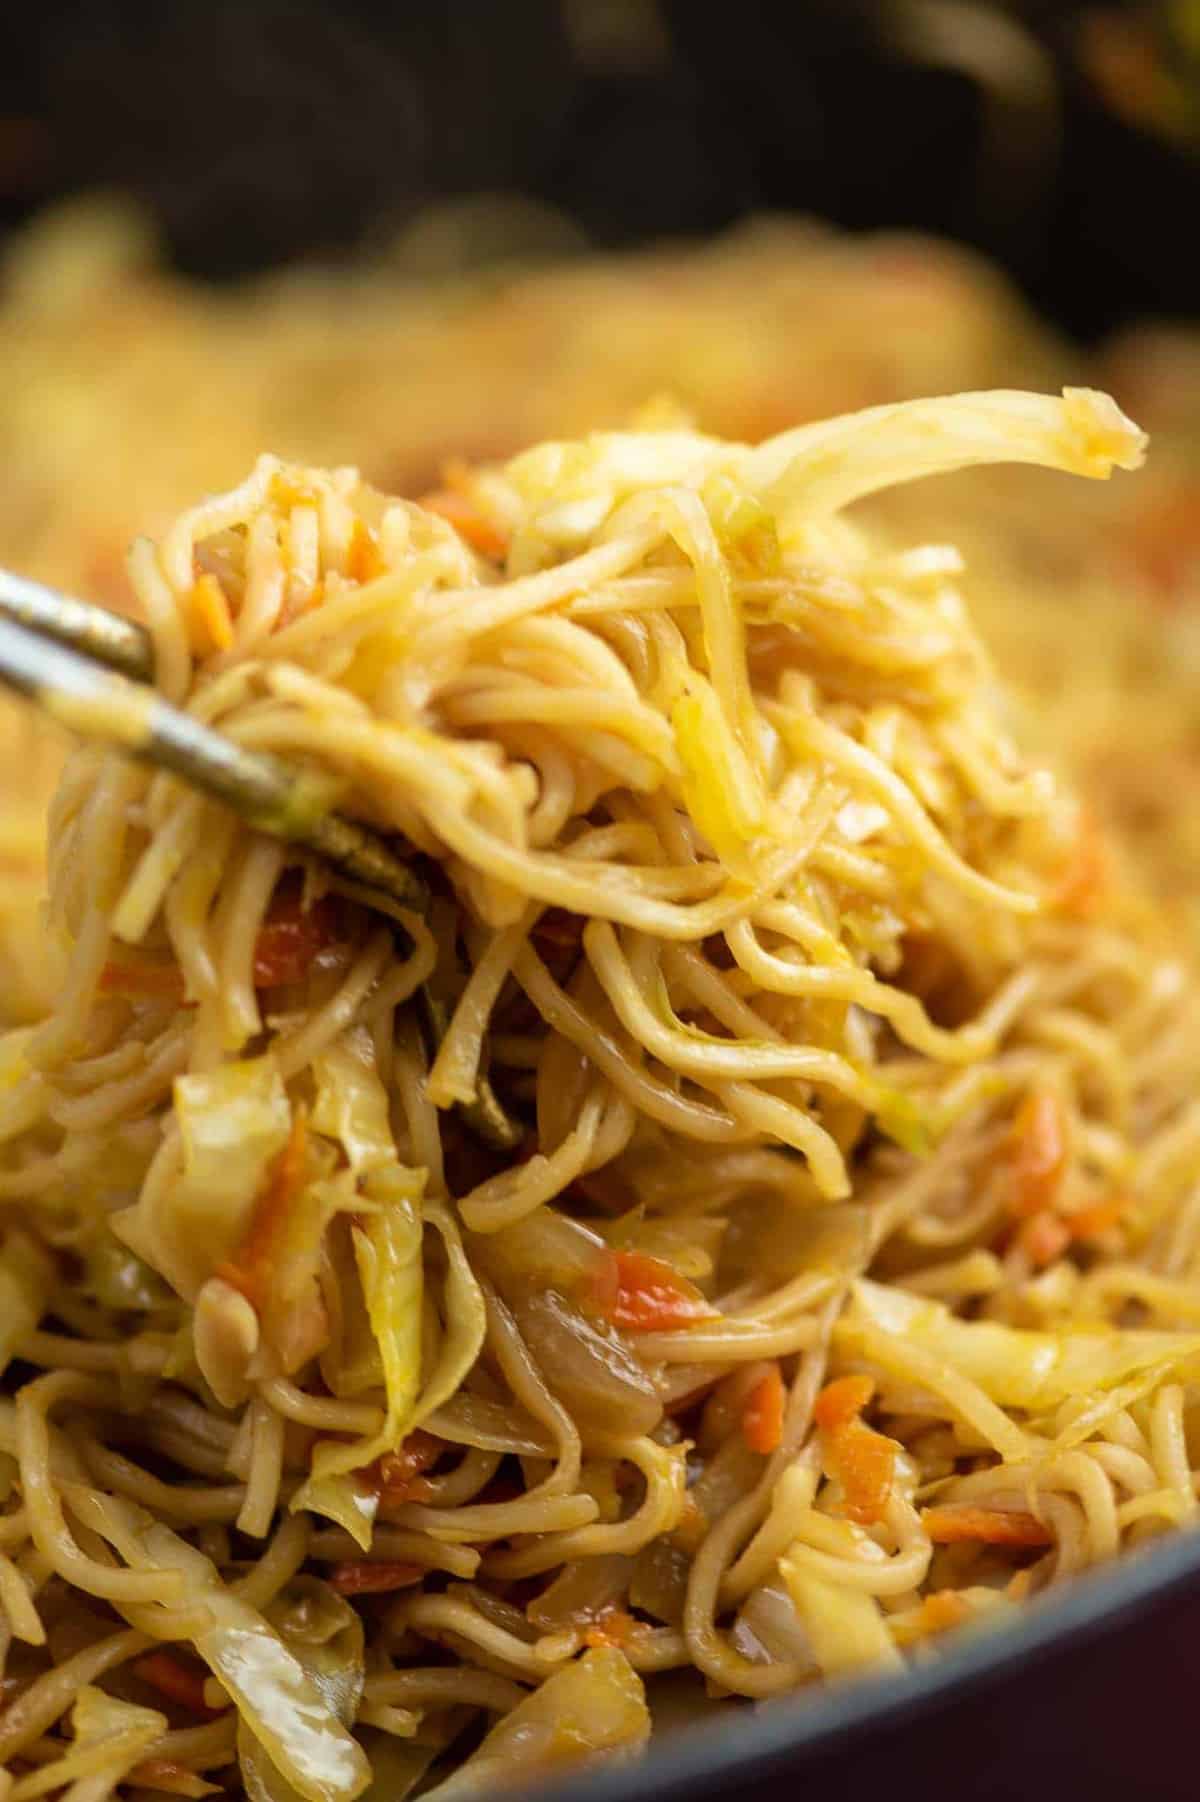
(126, 390)
(839, 1288)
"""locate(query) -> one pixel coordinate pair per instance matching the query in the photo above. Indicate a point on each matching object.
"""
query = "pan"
(1092, 1693)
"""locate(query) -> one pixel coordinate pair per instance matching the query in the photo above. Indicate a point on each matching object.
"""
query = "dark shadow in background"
(265, 130)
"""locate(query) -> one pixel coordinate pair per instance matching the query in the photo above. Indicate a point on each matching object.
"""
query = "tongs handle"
(119, 643)
(286, 803)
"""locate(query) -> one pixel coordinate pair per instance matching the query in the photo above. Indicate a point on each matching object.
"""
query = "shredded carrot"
(363, 559)
(1091, 1223)
(397, 1476)
(762, 1416)
(209, 622)
(1038, 1152)
(842, 1401)
(653, 1298)
(1044, 1237)
(469, 521)
(290, 937)
(370, 1577)
(862, 1460)
(251, 1270)
(1085, 874)
(991, 1526)
(612, 1627)
(176, 1681)
(175, 1779)
(153, 982)
(937, 1613)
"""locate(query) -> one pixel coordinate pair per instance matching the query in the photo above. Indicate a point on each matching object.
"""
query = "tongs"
(91, 670)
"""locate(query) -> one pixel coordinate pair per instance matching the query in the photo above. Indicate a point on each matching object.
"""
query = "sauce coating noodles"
(841, 1290)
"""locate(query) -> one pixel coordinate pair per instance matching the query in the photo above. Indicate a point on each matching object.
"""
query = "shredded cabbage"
(326, 1637)
(397, 1765)
(845, 1626)
(720, 788)
(233, 1122)
(595, 1705)
(351, 1103)
(823, 467)
(111, 1736)
(387, 1249)
(464, 1321)
(1014, 1366)
(392, 1267)
(280, 1703)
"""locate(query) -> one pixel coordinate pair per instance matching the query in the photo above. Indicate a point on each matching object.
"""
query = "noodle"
(847, 1260)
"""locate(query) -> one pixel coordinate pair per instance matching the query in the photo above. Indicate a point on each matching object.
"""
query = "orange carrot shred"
(397, 1476)
(251, 1269)
(942, 1610)
(612, 1627)
(290, 937)
(1044, 1237)
(842, 1400)
(480, 532)
(864, 1462)
(371, 1577)
(653, 1298)
(176, 1681)
(692, 1525)
(206, 609)
(953, 1524)
(762, 1416)
(154, 982)
(1085, 873)
(363, 559)
(1090, 1223)
(1039, 1152)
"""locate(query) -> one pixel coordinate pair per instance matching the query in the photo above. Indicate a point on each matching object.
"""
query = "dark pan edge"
(727, 1755)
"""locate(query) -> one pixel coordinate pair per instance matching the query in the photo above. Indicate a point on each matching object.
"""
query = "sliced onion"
(769, 1631)
(660, 1579)
(546, 1250)
(588, 1367)
(581, 1592)
(788, 1241)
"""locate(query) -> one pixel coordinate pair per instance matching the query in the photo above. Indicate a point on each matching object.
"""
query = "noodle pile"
(840, 1290)
(398, 364)
(395, 367)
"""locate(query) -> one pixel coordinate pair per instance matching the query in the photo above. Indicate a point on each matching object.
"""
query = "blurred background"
(401, 234)
(1058, 136)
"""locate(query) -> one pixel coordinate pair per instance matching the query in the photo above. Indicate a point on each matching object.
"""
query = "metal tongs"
(91, 670)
